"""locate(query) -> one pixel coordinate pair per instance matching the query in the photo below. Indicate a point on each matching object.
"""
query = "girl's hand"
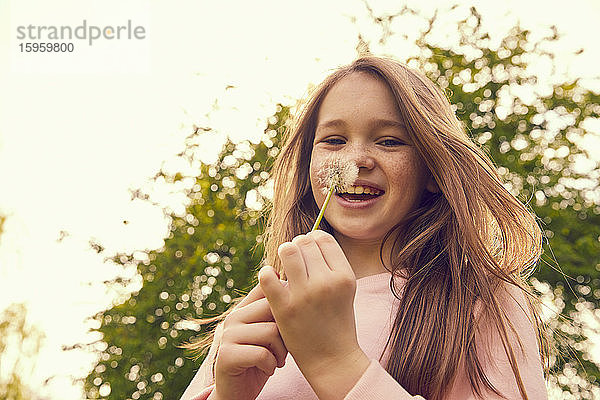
(250, 350)
(315, 312)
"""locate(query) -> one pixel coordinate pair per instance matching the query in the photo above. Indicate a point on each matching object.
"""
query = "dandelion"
(335, 174)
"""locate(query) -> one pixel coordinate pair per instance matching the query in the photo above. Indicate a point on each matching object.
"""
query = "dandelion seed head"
(337, 172)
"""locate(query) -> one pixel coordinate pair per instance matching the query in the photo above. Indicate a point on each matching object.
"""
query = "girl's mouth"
(359, 196)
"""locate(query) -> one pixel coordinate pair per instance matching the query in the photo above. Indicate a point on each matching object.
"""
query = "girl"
(414, 288)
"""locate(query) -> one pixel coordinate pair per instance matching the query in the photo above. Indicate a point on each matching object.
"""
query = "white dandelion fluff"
(334, 174)
(337, 172)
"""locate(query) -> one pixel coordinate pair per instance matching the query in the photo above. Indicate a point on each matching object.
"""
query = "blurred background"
(132, 176)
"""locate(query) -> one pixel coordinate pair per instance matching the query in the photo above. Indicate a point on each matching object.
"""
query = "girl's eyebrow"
(376, 123)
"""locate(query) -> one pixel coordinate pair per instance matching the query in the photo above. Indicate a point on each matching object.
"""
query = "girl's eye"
(333, 141)
(385, 142)
(391, 143)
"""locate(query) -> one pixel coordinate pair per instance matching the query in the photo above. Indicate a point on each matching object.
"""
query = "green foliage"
(533, 132)
(19, 346)
(211, 252)
(534, 140)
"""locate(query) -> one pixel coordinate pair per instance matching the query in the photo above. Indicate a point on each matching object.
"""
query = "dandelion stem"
(322, 212)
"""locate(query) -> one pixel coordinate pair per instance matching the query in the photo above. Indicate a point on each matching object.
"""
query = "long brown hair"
(456, 248)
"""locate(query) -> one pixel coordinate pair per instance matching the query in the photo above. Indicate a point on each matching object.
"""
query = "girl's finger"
(246, 356)
(293, 264)
(275, 290)
(313, 258)
(332, 252)
(257, 311)
(263, 334)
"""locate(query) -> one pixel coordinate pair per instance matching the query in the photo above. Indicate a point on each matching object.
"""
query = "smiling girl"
(414, 288)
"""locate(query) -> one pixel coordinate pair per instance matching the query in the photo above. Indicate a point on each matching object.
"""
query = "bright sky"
(77, 131)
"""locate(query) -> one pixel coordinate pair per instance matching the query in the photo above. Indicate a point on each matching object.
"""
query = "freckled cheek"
(314, 161)
(406, 176)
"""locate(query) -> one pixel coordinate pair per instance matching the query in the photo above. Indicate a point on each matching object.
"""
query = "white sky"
(76, 133)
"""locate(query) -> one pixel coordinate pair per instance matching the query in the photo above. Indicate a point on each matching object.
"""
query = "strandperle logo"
(87, 32)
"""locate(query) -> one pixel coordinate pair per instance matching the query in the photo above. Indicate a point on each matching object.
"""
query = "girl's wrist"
(335, 378)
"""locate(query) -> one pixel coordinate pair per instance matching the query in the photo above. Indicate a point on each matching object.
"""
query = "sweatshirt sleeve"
(377, 384)
(203, 382)
(204, 394)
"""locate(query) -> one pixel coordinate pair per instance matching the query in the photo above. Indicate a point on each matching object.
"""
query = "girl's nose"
(363, 159)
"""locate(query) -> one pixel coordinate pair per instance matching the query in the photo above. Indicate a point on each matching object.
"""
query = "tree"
(213, 249)
(19, 345)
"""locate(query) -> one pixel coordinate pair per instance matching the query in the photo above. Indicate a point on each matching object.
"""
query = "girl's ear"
(432, 185)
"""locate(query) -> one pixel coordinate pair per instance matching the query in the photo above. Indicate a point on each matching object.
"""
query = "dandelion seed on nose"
(337, 172)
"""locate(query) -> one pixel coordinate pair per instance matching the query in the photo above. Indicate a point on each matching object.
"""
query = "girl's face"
(360, 121)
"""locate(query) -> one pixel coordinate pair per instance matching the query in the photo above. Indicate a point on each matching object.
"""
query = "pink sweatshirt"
(375, 308)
